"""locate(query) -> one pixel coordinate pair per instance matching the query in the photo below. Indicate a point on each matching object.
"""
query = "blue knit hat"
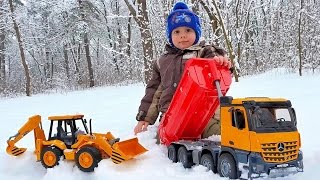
(180, 16)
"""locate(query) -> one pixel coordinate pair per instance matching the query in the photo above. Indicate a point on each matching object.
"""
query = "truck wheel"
(207, 161)
(227, 166)
(172, 153)
(185, 157)
(50, 156)
(86, 159)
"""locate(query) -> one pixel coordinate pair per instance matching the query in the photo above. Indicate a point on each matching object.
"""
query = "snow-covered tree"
(72, 44)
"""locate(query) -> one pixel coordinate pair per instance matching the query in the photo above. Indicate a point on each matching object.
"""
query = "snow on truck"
(259, 135)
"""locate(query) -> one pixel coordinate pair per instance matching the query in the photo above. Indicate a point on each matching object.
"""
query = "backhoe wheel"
(50, 156)
(207, 161)
(87, 159)
(185, 157)
(227, 166)
(97, 155)
(172, 153)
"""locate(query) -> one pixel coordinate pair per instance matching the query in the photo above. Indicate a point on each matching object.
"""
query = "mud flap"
(125, 150)
(15, 151)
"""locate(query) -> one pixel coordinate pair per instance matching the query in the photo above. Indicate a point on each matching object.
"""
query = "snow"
(114, 108)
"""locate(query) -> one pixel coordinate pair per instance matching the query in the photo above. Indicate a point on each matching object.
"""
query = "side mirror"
(294, 116)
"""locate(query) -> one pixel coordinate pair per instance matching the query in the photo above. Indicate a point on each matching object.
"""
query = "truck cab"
(260, 134)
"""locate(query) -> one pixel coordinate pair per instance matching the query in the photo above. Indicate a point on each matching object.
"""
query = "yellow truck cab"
(260, 134)
(258, 137)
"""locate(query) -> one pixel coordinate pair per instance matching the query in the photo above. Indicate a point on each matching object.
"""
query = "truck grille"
(280, 152)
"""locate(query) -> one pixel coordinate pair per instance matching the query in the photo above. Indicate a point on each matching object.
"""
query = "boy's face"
(183, 37)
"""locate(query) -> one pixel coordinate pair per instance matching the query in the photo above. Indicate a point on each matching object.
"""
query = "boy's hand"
(140, 127)
(223, 61)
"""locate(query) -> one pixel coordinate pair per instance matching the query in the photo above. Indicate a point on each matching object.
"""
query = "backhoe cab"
(66, 139)
(66, 128)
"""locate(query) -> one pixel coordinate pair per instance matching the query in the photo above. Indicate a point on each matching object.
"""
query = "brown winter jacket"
(166, 75)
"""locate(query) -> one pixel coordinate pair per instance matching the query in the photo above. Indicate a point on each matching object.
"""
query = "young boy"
(183, 33)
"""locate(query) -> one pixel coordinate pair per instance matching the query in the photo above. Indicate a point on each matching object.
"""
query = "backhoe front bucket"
(125, 150)
(15, 151)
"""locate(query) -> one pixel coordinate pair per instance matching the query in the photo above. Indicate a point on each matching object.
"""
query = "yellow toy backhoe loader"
(67, 140)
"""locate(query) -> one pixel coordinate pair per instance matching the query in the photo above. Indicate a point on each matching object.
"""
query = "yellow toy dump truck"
(259, 135)
(67, 140)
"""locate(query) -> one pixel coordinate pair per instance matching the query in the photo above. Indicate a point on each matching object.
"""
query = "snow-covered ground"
(114, 108)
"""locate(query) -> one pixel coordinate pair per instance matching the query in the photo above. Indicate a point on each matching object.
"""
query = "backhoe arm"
(34, 123)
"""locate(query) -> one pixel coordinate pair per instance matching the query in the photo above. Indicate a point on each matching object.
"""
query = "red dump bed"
(195, 100)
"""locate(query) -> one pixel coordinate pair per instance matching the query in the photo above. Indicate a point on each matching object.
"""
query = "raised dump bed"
(195, 100)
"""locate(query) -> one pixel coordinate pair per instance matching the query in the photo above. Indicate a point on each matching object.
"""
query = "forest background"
(66, 45)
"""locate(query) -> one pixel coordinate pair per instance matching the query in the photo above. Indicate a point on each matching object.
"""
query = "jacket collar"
(195, 47)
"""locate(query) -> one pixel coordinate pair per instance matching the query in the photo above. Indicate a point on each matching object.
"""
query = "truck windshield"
(271, 119)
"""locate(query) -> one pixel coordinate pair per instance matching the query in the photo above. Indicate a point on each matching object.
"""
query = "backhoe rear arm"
(34, 123)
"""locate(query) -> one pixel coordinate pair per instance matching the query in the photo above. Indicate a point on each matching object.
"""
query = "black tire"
(87, 159)
(207, 161)
(185, 157)
(172, 153)
(97, 155)
(50, 156)
(227, 166)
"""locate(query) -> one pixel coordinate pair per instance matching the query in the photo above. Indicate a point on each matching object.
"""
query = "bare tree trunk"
(166, 6)
(76, 59)
(86, 47)
(142, 19)
(299, 39)
(98, 52)
(51, 70)
(66, 61)
(237, 31)
(46, 67)
(109, 32)
(23, 59)
(77, 63)
(129, 39)
(119, 37)
(2, 56)
(2, 50)
(229, 45)
(212, 17)
(88, 57)
(195, 6)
